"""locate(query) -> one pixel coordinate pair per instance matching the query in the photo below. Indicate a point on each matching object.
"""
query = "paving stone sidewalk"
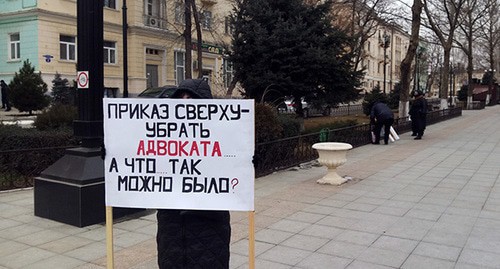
(433, 203)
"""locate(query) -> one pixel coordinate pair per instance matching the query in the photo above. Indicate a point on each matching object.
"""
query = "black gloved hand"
(255, 161)
(103, 151)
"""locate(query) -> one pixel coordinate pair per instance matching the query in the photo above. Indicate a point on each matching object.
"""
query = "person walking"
(193, 238)
(5, 95)
(418, 114)
(381, 115)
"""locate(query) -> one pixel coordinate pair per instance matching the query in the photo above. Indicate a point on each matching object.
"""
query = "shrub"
(267, 125)
(332, 125)
(26, 152)
(292, 126)
(56, 117)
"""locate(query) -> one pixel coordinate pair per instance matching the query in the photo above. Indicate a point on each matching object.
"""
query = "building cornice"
(145, 30)
(58, 17)
(29, 14)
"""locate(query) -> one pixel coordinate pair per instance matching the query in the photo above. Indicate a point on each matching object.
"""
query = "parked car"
(309, 109)
(158, 92)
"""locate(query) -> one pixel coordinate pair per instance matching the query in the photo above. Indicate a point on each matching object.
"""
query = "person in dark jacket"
(5, 95)
(418, 114)
(381, 115)
(193, 238)
(413, 125)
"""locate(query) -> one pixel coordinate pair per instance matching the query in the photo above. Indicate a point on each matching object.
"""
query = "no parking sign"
(82, 79)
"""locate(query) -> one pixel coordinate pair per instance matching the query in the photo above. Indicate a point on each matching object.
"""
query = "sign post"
(109, 238)
(82, 79)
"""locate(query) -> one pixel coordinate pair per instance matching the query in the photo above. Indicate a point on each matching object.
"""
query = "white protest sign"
(179, 153)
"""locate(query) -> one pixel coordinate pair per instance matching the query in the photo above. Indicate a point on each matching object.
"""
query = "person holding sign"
(193, 238)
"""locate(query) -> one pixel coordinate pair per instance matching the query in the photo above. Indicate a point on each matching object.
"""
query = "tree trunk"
(443, 89)
(470, 70)
(410, 55)
(230, 90)
(199, 39)
(470, 64)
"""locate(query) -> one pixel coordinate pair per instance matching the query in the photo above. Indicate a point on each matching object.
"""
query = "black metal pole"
(454, 83)
(89, 125)
(418, 74)
(385, 55)
(415, 79)
(72, 189)
(451, 84)
(125, 48)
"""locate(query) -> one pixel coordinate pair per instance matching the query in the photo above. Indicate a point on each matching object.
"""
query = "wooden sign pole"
(109, 237)
(251, 239)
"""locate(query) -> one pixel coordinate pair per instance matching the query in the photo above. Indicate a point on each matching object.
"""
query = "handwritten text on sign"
(182, 154)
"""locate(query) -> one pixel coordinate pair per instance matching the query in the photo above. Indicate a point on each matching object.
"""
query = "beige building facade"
(384, 45)
(389, 57)
(155, 45)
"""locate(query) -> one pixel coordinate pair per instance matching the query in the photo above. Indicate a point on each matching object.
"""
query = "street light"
(385, 41)
(418, 55)
(72, 189)
(452, 72)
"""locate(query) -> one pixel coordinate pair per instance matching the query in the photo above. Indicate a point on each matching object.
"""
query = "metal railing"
(19, 167)
(346, 110)
(283, 153)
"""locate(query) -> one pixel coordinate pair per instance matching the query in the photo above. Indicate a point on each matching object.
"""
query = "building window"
(228, 72)
(109, 52)
(149, 7)
(179, 12)
(179, 66)
(67, 47)
(152, 51)
(206, 20)
(153, 8)
(14, 47)
(110, 4)
(228, 26)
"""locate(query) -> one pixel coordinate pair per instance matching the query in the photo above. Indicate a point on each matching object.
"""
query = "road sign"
(82, 79)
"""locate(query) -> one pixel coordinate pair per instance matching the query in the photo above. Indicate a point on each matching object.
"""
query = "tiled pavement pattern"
(433, 203)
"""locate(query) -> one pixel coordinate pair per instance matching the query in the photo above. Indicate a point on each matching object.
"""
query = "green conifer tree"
(293, 48)
(62, 92)
(27, 90)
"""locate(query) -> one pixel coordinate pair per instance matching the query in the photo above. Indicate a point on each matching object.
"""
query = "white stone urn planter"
(332, 155)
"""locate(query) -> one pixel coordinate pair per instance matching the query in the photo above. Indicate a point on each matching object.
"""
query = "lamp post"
(455, 70)
(72, 189)
(125, 48)
(418, 55)
(451, 84)
(385, 42)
